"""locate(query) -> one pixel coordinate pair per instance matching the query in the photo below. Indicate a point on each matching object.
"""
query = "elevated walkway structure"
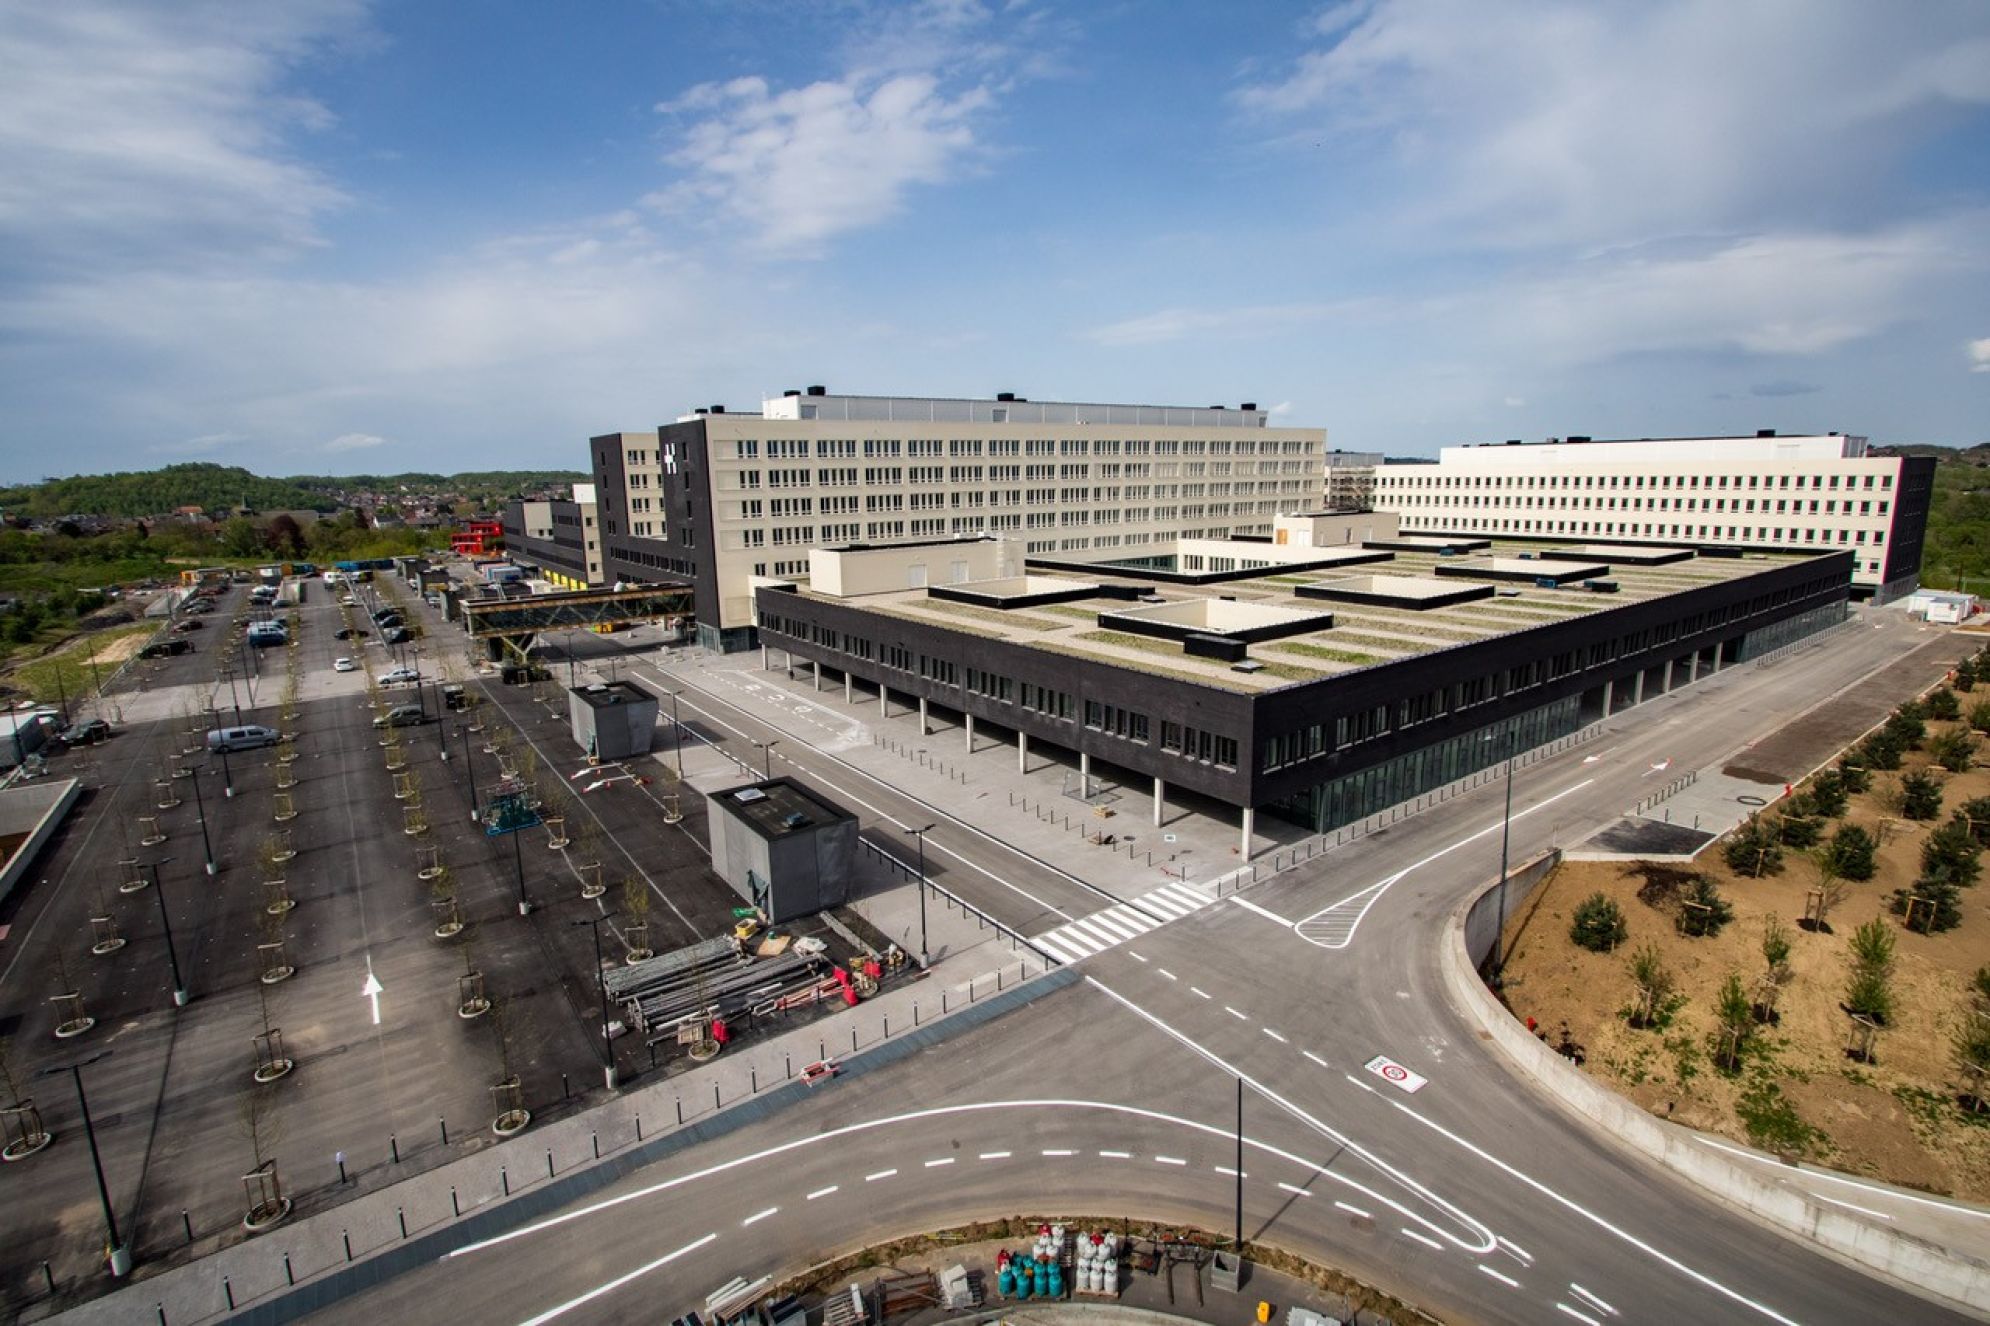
(512, 624)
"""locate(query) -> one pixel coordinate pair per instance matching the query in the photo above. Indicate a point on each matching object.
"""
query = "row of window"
(827, 448)
(1784, 505)
(1775, 535)
(1817, 482)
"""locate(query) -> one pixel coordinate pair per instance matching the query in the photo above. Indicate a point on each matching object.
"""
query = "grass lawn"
(71, 662)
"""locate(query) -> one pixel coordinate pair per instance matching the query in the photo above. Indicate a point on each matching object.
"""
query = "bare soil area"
(1899, 1118)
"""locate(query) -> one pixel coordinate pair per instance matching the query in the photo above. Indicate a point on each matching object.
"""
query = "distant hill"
(222, 489)
(214, 488)
(1978, 455)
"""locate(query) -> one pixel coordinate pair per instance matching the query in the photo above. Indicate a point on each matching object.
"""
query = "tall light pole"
(468, 776)
(120, 1255)
(767, 757)
(677, 736)
(1505, 838)
(920, 835)
(601, 983)
(166, 925)
(200, 808)
(227, 772)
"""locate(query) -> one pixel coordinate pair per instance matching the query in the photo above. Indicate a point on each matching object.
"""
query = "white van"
(250, 737)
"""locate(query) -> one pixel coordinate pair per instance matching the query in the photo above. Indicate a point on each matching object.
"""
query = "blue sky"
(333, 236)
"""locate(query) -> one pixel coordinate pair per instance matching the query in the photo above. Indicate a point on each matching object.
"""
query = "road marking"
(1333, 926)
(822, 1192)
(1315, 1058)
(1500, 1276)
(1169, 1160)
(1571, 1204)
(943, 1160)
(1515, 1251)
(1363, 1085)
(1116, 1155)
(1591, 1299)
(994, 1155)
(1353, 1210)
(1135, 955)
(1198, 993)
(1165, 972)
(1235, 1014)
(759, 1216)
(881, 1174)
(1271, 916)
(1583, 1317)
(1892, 1193)
(612, 1285)
(1409, 1233)
(1296, 1192)
(1274, 1035)
(1049, 1152)
(1231, 1173)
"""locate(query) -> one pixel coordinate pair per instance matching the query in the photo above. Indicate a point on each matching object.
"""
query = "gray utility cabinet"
(782, 847)
(612, 720)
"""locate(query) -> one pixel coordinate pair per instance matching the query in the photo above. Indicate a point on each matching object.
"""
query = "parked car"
(389, 621)
(344, 665)
(190, 624)
(395, 676)
(249, 737)
(350, 633)
(162, 648)
(347, 601)
(402, 715)
(389, 611)
(396, 635)
(84, 733)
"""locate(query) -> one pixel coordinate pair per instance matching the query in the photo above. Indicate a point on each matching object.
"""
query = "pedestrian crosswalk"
(1117, 924)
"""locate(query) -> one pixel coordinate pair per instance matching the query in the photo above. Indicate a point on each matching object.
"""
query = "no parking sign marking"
(1395, 1074)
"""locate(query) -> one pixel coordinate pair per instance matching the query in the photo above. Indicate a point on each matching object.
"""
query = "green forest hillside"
(1957, 553)
(221, 489)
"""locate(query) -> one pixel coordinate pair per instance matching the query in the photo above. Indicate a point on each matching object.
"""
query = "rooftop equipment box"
(782, 847)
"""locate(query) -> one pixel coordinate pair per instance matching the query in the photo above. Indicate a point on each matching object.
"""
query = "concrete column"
(818, 675)
(1638, 688)
(764, 665)
(884, 704)
(1665, 686)
(1022, 752)
(1609, 696)
(1084, 775)
(1160, 801)
(847, 696)
(1250, 823)
(970, 734)
(923, 731)
(1693, 673)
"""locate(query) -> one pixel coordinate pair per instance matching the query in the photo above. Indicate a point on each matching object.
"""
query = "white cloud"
(1546, 120)
(1515, 402)
(1247, 321)
(1979, 356)
(355, 442)
(133, 133)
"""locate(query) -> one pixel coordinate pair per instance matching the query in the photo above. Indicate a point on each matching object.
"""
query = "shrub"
(1971, 1046)
(1856, 776)
(1702, 909)
(1870, 994)
(1951, 850)
(1599, 924)
(1920, 796)
(1979, 715)
(1775, 943)
(1953, 750)
(1942, 704)
(1965, 676)
(1829, 794)
(1853, 853)
(1753, 849)
(1974, 815)
(1907, 725)
(1734, 1016)
(1797, 830)
(1882, 750)
(1980, 984)
(1933, 904)
(1654, 982)
(1872, 947)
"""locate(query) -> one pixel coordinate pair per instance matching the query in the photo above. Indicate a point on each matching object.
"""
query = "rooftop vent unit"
(746, 796)
(1248, 665)
(792, 391)
(1248, 405)
(1005, 395)
(1765, 432)
(1579, 437)
(718, 409)
(818, 391)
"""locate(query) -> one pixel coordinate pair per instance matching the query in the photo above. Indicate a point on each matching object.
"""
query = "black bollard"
(228, 1293)
(346, 1239)
(504, 1178)
(443, 1124)
(549, 1162)
(455, 1207)
(289, 1275)
(186, 1222)
(394, 1145)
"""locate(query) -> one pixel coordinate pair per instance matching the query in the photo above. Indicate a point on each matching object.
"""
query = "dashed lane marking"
(943, 1160)
(1582, 1317)
(1274, 1035)
(1169, 1160)
(1353, 1210)
(1315, 1058)
(1165, 972)
(1500, 1276)
(759, 1216)
(1115, 1155)
(1298, 1192)
(1591, 1299)
(881, 1174)
(1049, 1151)
(1427, 1242)
(994, 1155)
(822, 1192)
(1198, 992)
(1241, 1017)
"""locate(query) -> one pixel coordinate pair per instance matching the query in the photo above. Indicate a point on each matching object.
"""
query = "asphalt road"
(1474, 1197)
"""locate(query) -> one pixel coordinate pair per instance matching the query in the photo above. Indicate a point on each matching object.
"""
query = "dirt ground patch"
(1896, 1118)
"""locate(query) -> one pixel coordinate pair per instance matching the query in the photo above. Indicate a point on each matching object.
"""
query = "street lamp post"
(166, 925)
(468, 776)
(767, 757)
(120, 1255)
(227, 772)
(677, 736)
(233, 697)
(441, 733)
(920, 835)
(1505, 838)
(518, 863)
(601, 983)
(200, 809)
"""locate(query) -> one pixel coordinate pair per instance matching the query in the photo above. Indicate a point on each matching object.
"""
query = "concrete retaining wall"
(35, 811)
(1911, 1262)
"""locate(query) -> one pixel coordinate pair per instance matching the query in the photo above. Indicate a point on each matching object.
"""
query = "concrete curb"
(1906, 1260)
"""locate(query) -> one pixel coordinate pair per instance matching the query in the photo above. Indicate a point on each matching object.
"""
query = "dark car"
(402, 715)
(350, 633)
(380, 613)
(162, 648)
(190, 624)
(87, 732)
(389, 621)
(396, 635)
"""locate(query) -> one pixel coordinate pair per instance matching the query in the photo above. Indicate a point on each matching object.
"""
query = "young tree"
(1932, 904)
(1797, 827)
(1951, 853)
(1965, 676)
(1734, 1022)
(1753, 849)
(1979, 715)
(1953, 750)
(1943, 705)
(1599, 924)
(1654, 983)
(1853, 853)
(1974, 815)
(1920, 795)
(1970, 1044)
(1869, 991)
(1829, 796)
(1702, 909)
(1908, 726)
(1882, 750)
(1775, 944)
(1856, 776)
